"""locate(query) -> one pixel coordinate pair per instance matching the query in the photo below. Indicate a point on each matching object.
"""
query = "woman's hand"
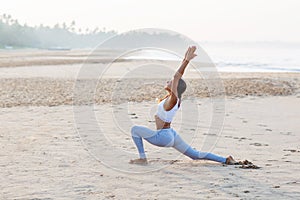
(190, 53)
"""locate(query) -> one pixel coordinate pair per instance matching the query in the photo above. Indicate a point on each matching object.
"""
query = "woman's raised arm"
(189, 55)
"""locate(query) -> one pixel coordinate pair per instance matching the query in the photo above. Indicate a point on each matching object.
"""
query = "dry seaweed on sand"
(246, 165)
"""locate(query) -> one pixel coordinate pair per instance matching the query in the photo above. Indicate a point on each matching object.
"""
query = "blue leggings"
(168, 138)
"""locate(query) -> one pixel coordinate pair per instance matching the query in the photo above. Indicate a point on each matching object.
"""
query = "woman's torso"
(160, 124)
(163, 118)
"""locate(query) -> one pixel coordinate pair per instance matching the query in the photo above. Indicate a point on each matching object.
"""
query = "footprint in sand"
(262, 125)
(240, 139)
(291, 150)
(287, 133)
(133, 115)
(258, 144)
(272, 160)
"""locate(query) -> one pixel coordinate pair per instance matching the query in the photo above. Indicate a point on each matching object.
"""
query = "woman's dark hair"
(181, 88)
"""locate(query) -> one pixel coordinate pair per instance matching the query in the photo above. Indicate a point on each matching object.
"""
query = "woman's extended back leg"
(183, 147)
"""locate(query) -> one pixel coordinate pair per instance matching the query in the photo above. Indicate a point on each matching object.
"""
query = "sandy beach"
(52, 147)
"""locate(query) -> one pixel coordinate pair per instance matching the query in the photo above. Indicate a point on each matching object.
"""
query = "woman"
(165, 136)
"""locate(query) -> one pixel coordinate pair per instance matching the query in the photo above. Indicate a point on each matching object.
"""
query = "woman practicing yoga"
(165, 136)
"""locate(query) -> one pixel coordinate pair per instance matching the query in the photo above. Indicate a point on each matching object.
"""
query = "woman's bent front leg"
(161, 138)
(138, 133)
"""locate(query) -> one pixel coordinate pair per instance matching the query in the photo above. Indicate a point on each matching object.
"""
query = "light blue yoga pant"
(168, 138)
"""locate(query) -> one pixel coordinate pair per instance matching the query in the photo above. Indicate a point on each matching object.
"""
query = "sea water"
(241, 56)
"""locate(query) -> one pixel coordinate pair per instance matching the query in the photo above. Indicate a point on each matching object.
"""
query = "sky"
(201, 20)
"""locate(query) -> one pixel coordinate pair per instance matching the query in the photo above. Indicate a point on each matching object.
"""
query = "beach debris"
(245, 162)
(246, 165)
(249, 167)
(173, 161)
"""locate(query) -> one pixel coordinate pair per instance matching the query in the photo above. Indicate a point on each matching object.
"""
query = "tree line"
(15, 35)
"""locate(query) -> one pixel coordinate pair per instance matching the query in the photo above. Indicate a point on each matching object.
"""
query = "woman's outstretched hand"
(190, 53)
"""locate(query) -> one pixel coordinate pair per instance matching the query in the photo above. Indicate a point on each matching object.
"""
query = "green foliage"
(13, 34)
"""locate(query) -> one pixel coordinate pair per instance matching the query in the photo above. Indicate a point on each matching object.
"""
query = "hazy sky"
(213, 20)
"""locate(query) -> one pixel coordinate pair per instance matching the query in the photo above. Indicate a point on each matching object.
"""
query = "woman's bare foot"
(230, 161)
(139, 161)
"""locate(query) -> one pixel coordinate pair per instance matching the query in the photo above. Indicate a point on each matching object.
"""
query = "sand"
(42, 156)
(37, 57)
(53, 147)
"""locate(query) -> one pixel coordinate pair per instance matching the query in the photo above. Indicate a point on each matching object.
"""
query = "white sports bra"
(164, 115)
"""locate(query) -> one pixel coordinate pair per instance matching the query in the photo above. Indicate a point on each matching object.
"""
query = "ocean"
(242, 56)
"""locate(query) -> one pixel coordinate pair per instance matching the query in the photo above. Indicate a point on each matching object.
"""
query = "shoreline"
(43, 57)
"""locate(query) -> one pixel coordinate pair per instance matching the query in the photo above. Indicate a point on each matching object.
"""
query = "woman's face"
(168, 85)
